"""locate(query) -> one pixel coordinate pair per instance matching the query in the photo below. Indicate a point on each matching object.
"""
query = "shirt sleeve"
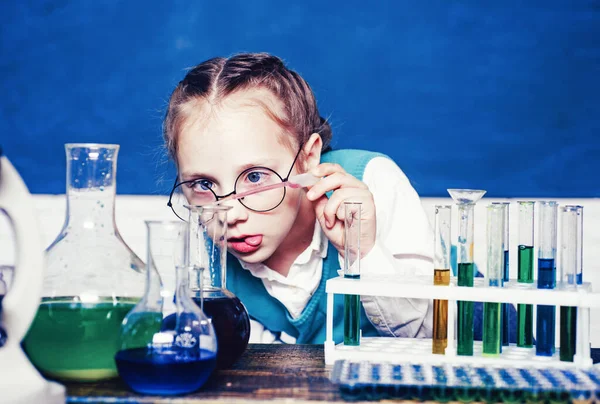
(403, 247)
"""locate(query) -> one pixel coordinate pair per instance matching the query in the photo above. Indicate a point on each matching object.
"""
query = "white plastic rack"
(396, 350)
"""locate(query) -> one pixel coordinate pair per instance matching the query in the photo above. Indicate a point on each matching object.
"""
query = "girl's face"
(218, 142)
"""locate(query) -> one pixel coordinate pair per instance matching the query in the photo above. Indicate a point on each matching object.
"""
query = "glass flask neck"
(91, 186)
(208, 247)
(182, 287)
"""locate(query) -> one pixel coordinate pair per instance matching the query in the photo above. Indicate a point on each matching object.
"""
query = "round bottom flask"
(230, 320)
(208, 246)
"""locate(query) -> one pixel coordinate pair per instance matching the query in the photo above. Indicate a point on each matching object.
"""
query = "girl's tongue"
(247, 244)
(253, 240)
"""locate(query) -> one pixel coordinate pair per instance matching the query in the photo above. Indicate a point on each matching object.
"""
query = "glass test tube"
(569, 241)
(546, 315)
(492, 342)
(352, 271)
(505, 274)
(465, 278)
(525, 311)
(579, 268)
(441, 276)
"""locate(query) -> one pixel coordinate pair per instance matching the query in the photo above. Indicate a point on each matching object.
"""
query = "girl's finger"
(334, 181)
(335, 206)
(325, 169)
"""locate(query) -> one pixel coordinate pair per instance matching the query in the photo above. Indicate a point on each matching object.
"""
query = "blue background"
(499, 95)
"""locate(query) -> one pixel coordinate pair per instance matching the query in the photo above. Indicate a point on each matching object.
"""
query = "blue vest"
(309, 327)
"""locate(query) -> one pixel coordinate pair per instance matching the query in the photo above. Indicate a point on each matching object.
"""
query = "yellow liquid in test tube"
(441, 277)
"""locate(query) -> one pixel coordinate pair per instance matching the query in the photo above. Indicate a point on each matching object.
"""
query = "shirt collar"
(318, 245)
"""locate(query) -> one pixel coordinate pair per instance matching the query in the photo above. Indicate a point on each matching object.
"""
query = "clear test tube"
(492, 326)
(579, 244)
(441, 276)
(568, 278)
(505, 318)
(525, 271)
(464, 331)
(465, 200)
(546, 315)
(352, 271)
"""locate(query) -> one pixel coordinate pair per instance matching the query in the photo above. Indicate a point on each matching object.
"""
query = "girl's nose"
(237, 213)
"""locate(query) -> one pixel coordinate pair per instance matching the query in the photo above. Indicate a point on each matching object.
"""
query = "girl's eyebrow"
(258, 163)
(189, 176)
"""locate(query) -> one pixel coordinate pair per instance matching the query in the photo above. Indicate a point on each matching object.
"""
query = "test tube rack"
(401, 350)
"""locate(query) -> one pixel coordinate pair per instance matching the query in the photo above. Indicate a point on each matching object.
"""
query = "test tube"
(546, 315)
(579, 244)
(568, 277)
(465, 278)
(525, 311)
(505, 274)
(465, 200)
(492, 342)
(441, 276)
(352, 271)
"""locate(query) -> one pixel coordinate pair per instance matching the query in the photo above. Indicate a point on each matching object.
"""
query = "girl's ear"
(312, 151)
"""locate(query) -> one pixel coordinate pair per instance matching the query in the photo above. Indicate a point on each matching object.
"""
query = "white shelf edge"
(422, 288)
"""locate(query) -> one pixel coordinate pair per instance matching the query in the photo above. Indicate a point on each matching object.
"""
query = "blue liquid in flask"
(170, 372)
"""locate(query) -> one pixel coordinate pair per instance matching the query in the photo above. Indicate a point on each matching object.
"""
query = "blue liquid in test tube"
(546, 315)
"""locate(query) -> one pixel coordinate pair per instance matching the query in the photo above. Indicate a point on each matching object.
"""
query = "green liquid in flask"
(77, 341)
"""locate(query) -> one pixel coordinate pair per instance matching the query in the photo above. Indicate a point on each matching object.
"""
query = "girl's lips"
(246, 244)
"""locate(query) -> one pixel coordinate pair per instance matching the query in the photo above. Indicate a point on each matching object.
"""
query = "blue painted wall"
(499, 95)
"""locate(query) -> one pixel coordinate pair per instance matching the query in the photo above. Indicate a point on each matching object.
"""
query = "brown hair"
(217, 78)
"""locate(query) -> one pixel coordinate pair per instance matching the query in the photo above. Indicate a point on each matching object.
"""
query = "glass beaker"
(208, 251)
(92, 278)
(168, 346)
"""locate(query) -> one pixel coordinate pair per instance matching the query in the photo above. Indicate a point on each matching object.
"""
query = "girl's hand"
(330, 212)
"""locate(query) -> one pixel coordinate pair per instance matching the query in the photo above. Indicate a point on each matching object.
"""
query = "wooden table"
(266, 372)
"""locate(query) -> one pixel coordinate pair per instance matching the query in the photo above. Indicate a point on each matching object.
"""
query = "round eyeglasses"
(200, 192)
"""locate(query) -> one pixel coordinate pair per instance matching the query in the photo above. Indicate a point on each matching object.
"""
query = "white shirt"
(403, 247)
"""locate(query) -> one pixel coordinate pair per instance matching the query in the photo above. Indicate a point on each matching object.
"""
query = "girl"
(233, 123)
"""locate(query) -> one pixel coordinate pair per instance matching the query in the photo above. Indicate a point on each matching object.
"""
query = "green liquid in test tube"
(465, 200)
(505, 316)
(352, 271)
(492, 326)
(569, 241)
(525, 272)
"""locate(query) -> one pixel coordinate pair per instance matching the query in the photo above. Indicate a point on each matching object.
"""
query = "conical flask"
(168, 346)
(92, 278)
(208, 250)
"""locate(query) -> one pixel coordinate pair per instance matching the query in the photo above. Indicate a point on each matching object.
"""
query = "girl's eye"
(201, 185)
(254, 178)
